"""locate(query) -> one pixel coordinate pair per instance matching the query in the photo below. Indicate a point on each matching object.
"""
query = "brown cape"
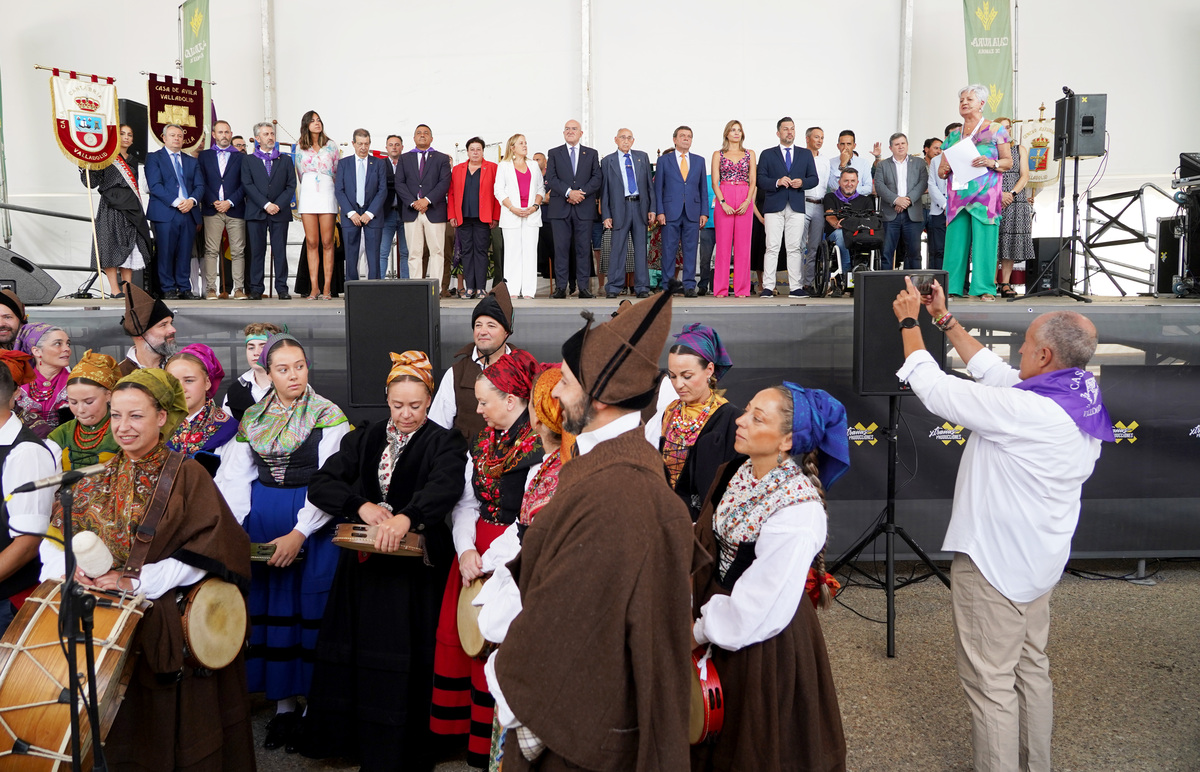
(596, 665)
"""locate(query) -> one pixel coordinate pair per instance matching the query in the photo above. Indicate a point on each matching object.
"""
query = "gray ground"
(1125, 660)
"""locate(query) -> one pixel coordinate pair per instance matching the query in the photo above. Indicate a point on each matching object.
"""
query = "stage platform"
(1142, 500)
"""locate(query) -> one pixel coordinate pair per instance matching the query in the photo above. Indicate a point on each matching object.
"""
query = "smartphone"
(923, 282)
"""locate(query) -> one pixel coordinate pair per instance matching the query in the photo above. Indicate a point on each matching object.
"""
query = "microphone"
(1067, 91)
(66, 478)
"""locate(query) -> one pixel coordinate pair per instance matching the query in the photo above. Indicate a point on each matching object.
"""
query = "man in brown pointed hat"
(12, 316)
(593, 673)
(491, 326)
(151, 325)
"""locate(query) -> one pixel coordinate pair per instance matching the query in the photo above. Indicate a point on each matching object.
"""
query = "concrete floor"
(1125, 660)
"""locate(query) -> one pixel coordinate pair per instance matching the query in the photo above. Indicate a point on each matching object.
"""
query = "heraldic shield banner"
(85, 118)
(180, 103)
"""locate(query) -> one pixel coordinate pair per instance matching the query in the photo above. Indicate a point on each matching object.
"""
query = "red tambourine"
(708, 701)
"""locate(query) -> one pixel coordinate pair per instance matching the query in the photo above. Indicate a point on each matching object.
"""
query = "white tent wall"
(653, 66)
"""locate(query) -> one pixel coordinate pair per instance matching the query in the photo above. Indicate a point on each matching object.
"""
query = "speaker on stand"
(387, 316)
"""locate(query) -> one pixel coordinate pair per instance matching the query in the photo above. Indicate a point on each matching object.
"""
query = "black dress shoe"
(643, 294)
(284, 296)
(280, 729)
(170, 295)
(256, 296)
(187, 295)
(585, 295)
(702, 290)
(689, 293)
(610, 295)
(559, 294)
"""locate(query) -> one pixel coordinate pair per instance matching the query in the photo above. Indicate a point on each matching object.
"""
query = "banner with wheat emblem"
(988, 26)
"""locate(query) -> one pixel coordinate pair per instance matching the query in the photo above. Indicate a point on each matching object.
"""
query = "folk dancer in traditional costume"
(151, 325)
(87, 439)
(207, 429)
(252, 385)
(42, 403)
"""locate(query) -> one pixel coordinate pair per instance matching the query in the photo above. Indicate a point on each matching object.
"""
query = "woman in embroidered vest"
(373, 680)
(121, 227)
(763, 527)
(86, 439)
(499, 464)
(207, 429)
(694, 433)
(173, 717)
(281, 443)
(42, 404)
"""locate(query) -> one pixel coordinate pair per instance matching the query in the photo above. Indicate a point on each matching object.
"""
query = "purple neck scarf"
(1078, 393)
(267, 158)
(838, 192)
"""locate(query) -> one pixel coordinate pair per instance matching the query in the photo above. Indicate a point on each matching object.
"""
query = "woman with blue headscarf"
(764, 528)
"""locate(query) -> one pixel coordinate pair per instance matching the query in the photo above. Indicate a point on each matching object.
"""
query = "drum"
(357, 536)
(708, 701)
(215, 623)
(33, 673)
(468, 620)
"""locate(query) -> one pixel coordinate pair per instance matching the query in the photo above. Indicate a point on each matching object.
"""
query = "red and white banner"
(85, 118)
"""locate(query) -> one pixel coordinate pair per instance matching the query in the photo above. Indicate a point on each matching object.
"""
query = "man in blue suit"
(572, 183)
(269, 180)
(176, 188)
(361, 189)
(680, 189)
(422, 182)
(627, 206)
(784, 173)
(224, 210)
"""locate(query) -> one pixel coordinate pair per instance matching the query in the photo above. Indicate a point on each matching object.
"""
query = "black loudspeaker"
(387, 316)
(1049, 252)
(878, 350)
(1079, 125)
(134, 114)
(32, 284)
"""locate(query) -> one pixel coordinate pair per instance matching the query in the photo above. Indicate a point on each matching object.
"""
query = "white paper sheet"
(960, 155)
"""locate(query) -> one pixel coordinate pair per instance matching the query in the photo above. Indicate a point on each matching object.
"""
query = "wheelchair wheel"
(822, 269)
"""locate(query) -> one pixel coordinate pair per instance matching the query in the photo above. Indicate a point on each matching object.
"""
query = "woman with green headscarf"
(173, 717)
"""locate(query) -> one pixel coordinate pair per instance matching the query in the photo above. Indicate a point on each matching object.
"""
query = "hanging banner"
(1039, 139)
(180, 103)
(193, 16)
(85, 118)
(989, 52)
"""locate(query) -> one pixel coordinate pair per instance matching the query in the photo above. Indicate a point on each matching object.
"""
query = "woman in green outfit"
(87, 439)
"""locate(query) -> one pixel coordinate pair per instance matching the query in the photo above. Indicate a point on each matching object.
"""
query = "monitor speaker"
(32, 284)
(1079, 125)
(134, 114)
(387, 316)
(878, 350)
(1050, 252)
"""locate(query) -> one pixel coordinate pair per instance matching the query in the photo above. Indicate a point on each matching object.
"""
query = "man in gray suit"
(900, 181)
(627, 207)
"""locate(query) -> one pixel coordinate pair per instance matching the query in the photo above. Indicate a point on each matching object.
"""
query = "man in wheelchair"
(853, 225)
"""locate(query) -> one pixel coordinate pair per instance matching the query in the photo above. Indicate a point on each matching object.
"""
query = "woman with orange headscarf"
(373, 680)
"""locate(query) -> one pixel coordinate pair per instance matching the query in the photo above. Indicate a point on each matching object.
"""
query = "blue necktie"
(787, 158)
(362, 181)
(573, 165)
(179, 175)
(633, 191)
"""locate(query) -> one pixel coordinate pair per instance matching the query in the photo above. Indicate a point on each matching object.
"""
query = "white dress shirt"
(861, 165)
(466, 512)
(444, 408)
(1016, 498)
(901, 176)
(937, 188)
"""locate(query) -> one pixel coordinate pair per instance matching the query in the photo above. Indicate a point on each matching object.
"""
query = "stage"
(1141, 501)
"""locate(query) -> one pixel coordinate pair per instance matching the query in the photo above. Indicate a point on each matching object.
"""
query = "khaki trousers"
(213, 226)
(1002, 664)
(419, 233)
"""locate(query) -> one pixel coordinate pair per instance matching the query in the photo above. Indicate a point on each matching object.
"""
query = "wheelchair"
(866, 254)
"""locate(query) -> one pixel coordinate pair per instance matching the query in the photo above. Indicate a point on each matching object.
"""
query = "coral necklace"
(90, 438)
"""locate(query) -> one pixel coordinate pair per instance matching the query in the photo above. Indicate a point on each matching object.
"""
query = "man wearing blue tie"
(682, 192)
(784, 173)
(176, 186)
(627, 206)
(360, 186)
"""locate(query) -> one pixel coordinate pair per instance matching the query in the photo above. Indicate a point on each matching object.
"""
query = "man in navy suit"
(176, 187)
(422, 183)
(573, 181)
(784, 173)
(627, 206)
(392, 227)
(269, 181)
(681, 192)
(361, 189)
(224, 210)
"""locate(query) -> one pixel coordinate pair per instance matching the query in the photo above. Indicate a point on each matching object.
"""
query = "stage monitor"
(878, 351)
(387, 316)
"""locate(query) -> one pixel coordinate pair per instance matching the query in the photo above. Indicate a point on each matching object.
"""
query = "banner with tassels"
(85, 118)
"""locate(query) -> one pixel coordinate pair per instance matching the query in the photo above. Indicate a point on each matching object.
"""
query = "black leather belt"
(633, 198)
(814, 200)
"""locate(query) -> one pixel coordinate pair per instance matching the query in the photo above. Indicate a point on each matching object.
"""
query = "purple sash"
(1078, 393)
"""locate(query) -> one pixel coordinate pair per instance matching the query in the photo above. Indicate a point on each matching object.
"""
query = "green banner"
(193, 16)
(988, 26)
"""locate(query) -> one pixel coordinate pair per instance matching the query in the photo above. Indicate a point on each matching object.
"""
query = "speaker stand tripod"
(889, 530)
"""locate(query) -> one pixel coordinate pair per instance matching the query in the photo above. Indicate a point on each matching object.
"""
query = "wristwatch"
(908, 323)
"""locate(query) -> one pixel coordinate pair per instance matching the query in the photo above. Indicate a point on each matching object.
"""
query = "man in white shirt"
(848, 158)
(1035, 438)
(935, 214)
(814, 200)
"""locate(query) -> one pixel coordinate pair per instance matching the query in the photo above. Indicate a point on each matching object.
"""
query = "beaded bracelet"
(943, 323)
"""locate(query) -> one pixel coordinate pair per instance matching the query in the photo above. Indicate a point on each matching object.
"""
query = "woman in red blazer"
(474, 211)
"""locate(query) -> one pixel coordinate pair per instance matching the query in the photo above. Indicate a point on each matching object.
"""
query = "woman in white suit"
(520, 191)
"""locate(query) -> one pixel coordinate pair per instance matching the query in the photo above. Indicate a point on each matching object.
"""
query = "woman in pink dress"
(734, 169)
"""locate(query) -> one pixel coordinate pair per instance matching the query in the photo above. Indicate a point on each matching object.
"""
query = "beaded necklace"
(90, 438)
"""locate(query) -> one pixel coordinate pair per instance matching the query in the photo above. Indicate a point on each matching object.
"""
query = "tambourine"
(708, 701)
(469, 636)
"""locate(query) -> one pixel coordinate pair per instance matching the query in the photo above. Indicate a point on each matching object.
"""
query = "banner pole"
(95, 239)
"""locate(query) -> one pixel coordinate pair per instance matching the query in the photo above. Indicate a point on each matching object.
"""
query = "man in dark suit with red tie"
(269, 181)
(224, 211)
(176, 188)
(573, 181)
(422, 183)
(681, 191)
(360, 189)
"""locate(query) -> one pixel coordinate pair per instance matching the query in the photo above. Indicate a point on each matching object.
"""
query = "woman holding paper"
(973, 207)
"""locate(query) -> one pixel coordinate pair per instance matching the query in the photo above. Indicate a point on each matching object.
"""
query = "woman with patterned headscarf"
(87, 439)
(501, 460)
(281, 443)
(42, 403)
(173, 716)
(694, 433)
(207, 429)
(373, 680)
(764, 527)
